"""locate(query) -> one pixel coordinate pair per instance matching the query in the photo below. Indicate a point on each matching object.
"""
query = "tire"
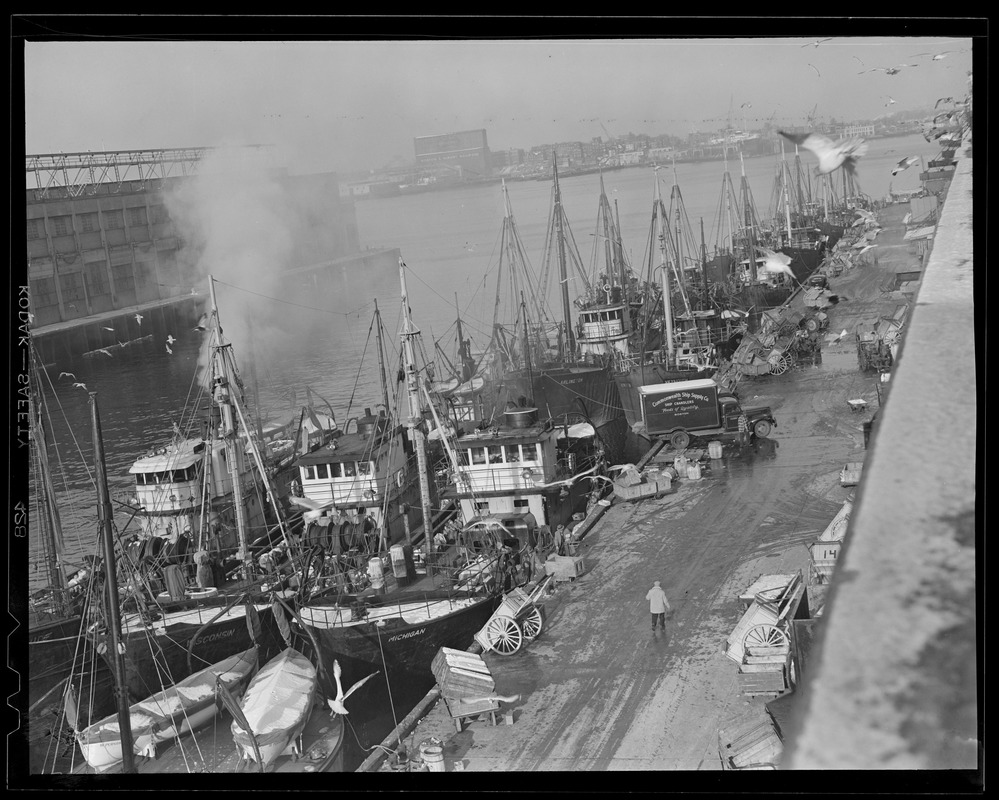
(762, 428)
(811, 324)
(679, 440)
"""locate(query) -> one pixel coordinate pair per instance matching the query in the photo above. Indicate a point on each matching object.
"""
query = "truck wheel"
(679, 440)
(762, 429)
(811, 324)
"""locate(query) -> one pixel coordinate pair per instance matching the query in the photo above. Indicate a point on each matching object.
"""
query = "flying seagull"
(68, 375)
(831, 155)
(313, 510)
(777, 262)
(891, 101)
(888, 70)
(138, 318)
(108, 329)
(106, 352)
(169, 350)
(170, 339)
(81, 386)
(336, 704)
(943, 100)
(817, 42)
(904, 164)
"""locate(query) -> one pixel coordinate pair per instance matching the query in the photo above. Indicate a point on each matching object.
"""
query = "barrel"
(403, 567)
(433, 757)
(714, 449)
(694, 471)
(670, 473)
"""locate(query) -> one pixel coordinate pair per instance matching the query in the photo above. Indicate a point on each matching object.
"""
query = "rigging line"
(296, 305)
(378, 633)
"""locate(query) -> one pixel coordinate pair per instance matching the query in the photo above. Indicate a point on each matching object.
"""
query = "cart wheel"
(680, 440)
(504, 635)
(762, 429)
(779, 365)
(765, 636)
(532, 623)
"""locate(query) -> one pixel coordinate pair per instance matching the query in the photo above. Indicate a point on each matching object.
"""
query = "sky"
(350, 105)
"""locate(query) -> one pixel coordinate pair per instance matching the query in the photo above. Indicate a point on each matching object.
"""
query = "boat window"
(513, 454)
(495, 454)
(477, 455)
(140, 478)
(349, 469)
(482, 507)
(364, 468)
(310, 473)
(521, 503)
(529, 452)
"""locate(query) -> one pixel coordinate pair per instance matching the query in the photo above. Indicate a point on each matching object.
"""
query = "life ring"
(400, 478)
(607, 287)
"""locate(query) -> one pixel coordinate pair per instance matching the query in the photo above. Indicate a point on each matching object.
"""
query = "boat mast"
(413, 422)
(619, 252)
(748, 215)
(562, 274)
(667, 298)
(787, 192)
(111, 581)
(222, 395)
(381, 359)
(54, 544)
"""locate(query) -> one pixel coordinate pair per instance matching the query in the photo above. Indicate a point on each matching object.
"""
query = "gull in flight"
(891, 101)
(109, 329)
(336, 705)
(868, 247)
(777, 262)
(106, 352)
(865, 216)
(170, 339)
(817, 42)
(169, 350)
(840, 336)
(313, 510)
(943, 100)
(904, 164)
(81, 386)
(841, 153)
(889, 70)
(138, 318)
(68, 375)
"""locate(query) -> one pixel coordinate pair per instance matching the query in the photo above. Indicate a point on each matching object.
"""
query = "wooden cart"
(518, 619)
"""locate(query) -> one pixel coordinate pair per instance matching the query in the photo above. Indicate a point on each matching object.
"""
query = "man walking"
(743, 429)
(658, 605)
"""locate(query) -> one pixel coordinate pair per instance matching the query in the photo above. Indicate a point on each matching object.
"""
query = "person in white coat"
(658, 605)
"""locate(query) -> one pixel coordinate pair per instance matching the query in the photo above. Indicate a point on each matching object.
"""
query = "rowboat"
(166, 715)
(277, 706)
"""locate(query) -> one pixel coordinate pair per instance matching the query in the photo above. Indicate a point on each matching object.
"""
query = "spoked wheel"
(779, 365)
(504, 635)
(532, 623)
(765, 636)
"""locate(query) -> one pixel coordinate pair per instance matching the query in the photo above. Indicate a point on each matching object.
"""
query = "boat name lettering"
(211, 637)
(407, 635)
(681, 399)
(570, 381)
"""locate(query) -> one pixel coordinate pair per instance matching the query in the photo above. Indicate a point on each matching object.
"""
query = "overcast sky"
(345, 105)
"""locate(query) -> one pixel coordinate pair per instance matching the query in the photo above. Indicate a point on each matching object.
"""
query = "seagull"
(336, 705)
(817, 42)
(904, 164)
(108, 329)
(831, 155)
(888, 70)
(105, 351)
(868, 247)
(81, 386)
(840, 336)
(744, 105)
(138, 318)
(891, 101)
(314, 510)
(68, 375)
(777, 262)
(816, 69)
(169, 350)
(170, 339)
(943, 100)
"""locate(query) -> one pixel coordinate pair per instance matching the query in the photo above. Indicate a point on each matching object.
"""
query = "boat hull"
(402, 650)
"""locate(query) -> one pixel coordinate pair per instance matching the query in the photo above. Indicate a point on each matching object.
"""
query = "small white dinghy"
(277, 706)
(181, 708)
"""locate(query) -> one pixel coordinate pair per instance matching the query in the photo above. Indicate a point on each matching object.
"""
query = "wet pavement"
(599, 690)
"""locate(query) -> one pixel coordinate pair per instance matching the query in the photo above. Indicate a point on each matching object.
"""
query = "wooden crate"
(459, 711)
(769, 682)
(565, 568)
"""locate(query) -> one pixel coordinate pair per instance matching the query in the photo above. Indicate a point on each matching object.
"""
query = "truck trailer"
(684, 408)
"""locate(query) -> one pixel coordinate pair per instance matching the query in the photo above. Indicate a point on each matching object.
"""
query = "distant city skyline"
(348, 105)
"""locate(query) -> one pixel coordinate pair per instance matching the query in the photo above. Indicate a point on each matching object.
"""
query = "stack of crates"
(462, 674)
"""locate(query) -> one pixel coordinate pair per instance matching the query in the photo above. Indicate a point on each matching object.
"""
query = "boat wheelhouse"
(524, 467)
(364, 483)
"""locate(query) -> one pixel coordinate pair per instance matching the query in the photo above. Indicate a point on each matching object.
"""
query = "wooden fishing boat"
(168, 714)
(277, 706)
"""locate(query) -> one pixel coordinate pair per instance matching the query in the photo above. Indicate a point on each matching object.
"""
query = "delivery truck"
(683, 409)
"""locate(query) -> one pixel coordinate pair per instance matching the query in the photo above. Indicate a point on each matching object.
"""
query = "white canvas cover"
(280, 696)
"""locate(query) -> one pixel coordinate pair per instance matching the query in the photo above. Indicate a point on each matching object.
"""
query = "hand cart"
(518, 619)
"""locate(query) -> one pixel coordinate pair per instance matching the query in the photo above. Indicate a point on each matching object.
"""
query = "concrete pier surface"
(599, 690)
